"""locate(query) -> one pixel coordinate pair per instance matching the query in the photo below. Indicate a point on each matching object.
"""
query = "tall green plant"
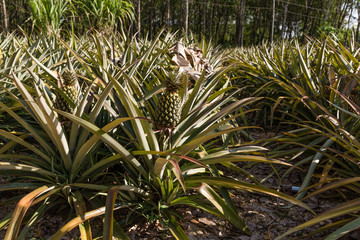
(103, 14)
(49, 15)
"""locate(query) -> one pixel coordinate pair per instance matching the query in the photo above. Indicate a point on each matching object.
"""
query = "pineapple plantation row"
(96, 125)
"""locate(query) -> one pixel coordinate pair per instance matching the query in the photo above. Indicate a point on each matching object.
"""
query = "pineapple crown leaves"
(67, 78)
(170, 80)
(172, 85)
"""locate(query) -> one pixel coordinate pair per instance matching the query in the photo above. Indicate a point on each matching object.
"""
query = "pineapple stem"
(170, 137)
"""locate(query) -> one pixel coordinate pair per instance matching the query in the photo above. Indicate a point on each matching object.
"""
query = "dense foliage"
(106, 141)
(104, 150)
(97, 117)
(234, 22)
(311, 93)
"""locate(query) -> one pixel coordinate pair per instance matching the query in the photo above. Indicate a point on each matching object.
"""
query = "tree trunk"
(151, 22)
(139, 18)
(326, 9)
(217, 28)
(257, 30)
(272, 21)
(343, 14)
(186, 23)
(358, 23)
(286, 5)
(307, 19)
(211, 22)
(240, 23)
(204, 18)
(255, 24)
(225, 27)
(6, 17)
(264, 21)
(350, 15)
(290, 31)
(167, 14)
(237, 33)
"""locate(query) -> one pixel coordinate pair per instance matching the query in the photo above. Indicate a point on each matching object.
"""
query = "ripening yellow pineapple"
(169, 108)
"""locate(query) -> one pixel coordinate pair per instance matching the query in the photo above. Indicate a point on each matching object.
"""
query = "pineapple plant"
(68, 81)
(355, 98)
(350, 89)
(169, 108)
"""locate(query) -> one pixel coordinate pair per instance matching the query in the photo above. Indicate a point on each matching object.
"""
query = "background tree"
(6, 20)
(230, 22)
(138, 13)
(167, 14)
(358, 21)
(186, 18)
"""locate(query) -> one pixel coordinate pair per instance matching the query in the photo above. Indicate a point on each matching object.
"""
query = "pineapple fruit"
(168, 111)
(68, 87)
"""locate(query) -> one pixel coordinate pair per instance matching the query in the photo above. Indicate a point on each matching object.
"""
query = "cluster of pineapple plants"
(96, 123)
(310, 99)
(108, 122)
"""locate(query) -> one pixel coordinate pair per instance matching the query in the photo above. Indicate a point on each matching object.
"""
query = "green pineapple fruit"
(68, 87)
(169, 108)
